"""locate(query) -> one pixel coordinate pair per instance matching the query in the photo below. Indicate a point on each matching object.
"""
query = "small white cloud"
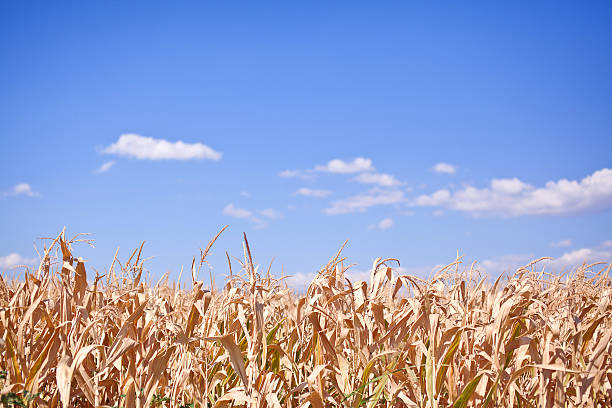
(569, 260)
(509, 186)
(385, 224)
(301, 174)
(259, 223)
(436, 199)
(575, 258)
(21, 189)
(337, 166)
(309, 192)
(505, 263)
(289, 173)
(14, 259)
(245, 194)
(512, 197)
(148, 148)
(300, 281)
(381, 179)
(104, 167)
(445, 168)
(438, 213)
(361, 202)
(244, 214)
(271, 213)
(356, 275)
(561, 244)
(236, 212)
(358, 165)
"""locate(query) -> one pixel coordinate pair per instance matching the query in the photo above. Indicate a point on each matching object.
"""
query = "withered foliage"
(530, 339)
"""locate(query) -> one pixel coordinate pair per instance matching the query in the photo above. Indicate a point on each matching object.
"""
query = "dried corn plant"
(526, 340)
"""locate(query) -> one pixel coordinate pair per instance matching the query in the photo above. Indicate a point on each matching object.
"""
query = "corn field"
(528, 339)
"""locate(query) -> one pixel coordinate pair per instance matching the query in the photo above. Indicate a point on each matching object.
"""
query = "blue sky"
(415, 130)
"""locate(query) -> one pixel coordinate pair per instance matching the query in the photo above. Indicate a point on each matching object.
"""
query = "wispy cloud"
(336, 166)
(357, 165)
(564, 243)
(271, 213)
(310, 192)
(148, 148)
(241, 213)
(237, 212)
(21, 189)
(104, 167)
(245, 194)
(361, 202)
(381, 179)
(568, 260)
(300, 281)
(14, 259)
(512, 197)
(445, 168)
(383, 224)
(505, 263)
(575, 258)
(302, 174)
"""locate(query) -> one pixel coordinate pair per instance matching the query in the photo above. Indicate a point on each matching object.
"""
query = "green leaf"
(447, 359)
(467, 392)
(429, 376)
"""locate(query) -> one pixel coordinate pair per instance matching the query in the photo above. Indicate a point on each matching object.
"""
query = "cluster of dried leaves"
(456, 340)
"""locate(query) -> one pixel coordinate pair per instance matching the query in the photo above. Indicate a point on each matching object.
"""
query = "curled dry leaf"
(458, 339)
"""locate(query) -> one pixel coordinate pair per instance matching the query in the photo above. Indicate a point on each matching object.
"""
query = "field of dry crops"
(73, 339)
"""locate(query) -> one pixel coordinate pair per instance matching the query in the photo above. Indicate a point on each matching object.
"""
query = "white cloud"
(564, 243)
(438, 198)
(575, 258)
(358, 165)
(361, 202)
(444, 168)
(337, 166)
(309, 192)
(14, 259)
(509, 186)
(289, 173)
(21, 189)
(244, 214)
(381, 179)
(301, 174)
(104, 167)
(245, 194)
(300, 281)
(505, 263)
(271, 213)
(148, 148)
(512, 197)
(568, 260)
(355, 275)
(237, 212)
(384, 224)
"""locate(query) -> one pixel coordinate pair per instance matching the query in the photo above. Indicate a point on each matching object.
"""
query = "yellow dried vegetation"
(458, 339)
